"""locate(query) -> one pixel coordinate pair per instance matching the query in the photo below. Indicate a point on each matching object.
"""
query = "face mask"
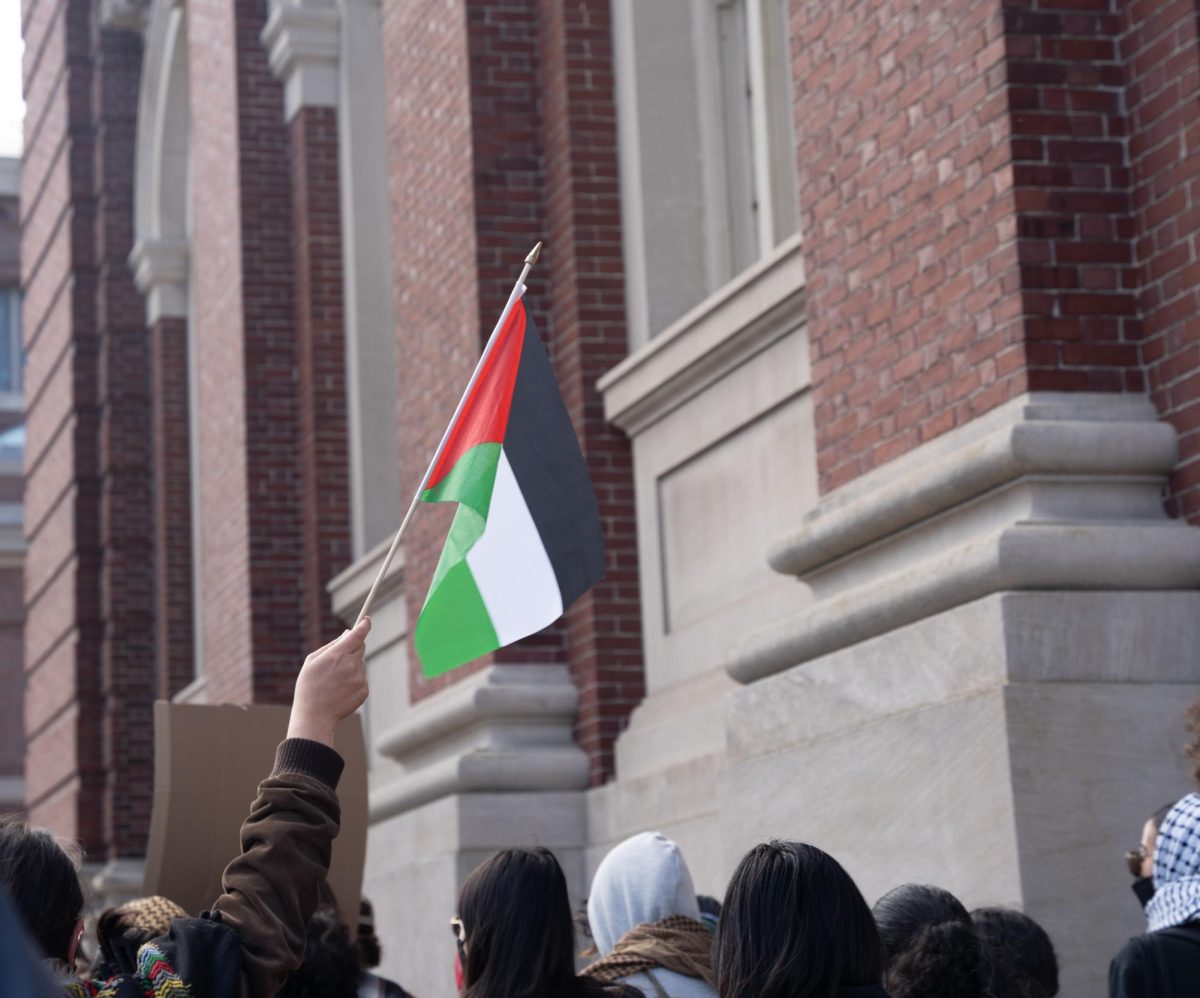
(1143, 887)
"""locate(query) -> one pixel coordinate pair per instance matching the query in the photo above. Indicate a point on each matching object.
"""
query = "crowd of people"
(792, 923)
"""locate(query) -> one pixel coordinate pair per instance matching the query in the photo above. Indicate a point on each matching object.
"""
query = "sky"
(12, 107)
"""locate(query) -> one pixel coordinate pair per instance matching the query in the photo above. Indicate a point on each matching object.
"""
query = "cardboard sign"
(208, 762)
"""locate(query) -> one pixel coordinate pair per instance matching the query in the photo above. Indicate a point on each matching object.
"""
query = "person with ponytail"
(930, 946)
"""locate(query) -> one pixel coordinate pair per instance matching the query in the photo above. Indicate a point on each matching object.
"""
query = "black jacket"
(1163, 964)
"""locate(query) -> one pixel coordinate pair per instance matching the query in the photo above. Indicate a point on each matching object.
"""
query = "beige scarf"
(676, 943)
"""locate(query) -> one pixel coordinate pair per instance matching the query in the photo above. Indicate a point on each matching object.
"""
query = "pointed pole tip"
(534, 254)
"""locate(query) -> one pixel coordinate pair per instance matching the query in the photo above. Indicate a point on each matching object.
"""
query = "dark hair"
(929, 943)
(1159, 816)
(520, 938)
(369, 953)
(1019, 960)
(330, 968)
(42, 881)
(794, 925)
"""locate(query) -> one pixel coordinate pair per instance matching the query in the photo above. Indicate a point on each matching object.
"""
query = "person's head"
(42, 880)
(1177, 867)
(794, 925)
(1141, 859)
(1018, 956)
(124, 929)
(642, 880)
(330, 968)
(930, 946)
(517, 934)
(369, 951)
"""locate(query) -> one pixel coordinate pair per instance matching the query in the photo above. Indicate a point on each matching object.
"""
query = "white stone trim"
(1049, 492)
(762, 304)
(348, 589)
(125, 15)
(119, 880)
(160, 271)
(303, 47)
(508, 728)
(195, 692)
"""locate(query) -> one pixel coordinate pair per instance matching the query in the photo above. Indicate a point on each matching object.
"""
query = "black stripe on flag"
(544, 453)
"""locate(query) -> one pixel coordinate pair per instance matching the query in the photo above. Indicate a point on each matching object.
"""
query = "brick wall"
(502, 133)
(438, 303)
(321, 355)
(974, 181)
(584, 263)
(127, 680)
(1162, 63)
(173, 592)
(252, 547)
(62, 635)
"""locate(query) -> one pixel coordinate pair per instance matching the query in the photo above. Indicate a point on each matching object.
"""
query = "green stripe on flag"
(470, 481)
(454, 626)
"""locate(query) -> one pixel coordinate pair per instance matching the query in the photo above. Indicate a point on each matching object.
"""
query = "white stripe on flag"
(511, 569)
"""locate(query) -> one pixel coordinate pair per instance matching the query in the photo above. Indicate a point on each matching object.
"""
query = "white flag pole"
(517, 290)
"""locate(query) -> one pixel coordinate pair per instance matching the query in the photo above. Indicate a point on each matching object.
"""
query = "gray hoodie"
(644, 879)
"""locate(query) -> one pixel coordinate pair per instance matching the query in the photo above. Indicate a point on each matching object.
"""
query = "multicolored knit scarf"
(676, 943)
(156, 978)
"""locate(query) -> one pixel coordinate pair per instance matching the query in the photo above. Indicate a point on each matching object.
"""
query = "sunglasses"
(1134, 859)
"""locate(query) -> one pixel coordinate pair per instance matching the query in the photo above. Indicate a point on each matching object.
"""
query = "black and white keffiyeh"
(1177, 867)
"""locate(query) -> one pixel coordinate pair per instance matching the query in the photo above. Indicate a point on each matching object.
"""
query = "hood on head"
(644, 879)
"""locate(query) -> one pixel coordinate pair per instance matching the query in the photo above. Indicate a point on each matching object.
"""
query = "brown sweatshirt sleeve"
(272, 889)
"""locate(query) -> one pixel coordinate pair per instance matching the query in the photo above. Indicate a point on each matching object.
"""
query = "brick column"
(250, 507)
(160, 269)
(584, 264)
(1161, 55)
(63, 722)
(313, 137)
(125, 455)
(997, 201)
(302, 42)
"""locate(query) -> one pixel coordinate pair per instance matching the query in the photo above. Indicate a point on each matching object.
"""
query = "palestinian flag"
(525, 542)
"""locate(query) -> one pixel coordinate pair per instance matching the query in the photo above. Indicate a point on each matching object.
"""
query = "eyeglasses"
(1135, 858)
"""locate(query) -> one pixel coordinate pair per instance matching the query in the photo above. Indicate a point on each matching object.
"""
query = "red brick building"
(895, 300)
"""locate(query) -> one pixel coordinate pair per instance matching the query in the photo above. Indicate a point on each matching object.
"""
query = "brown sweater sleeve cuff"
(309, 758)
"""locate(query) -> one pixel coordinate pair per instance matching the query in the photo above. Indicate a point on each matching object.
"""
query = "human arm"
(272, 889)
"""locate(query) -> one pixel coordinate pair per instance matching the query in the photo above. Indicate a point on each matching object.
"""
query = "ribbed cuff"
(309, 758)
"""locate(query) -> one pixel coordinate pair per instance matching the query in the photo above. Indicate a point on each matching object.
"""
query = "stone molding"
(303, 46)
(160, 271)
(118, 881)
(348, 589)
(506, 729)
(125, 15)
(1050, 492)
(747, 315)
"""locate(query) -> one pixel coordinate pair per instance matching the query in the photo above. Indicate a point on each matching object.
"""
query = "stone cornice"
(1051, 492)
(763, 304)
(304, 46)
(505, 729)
(160, 271)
